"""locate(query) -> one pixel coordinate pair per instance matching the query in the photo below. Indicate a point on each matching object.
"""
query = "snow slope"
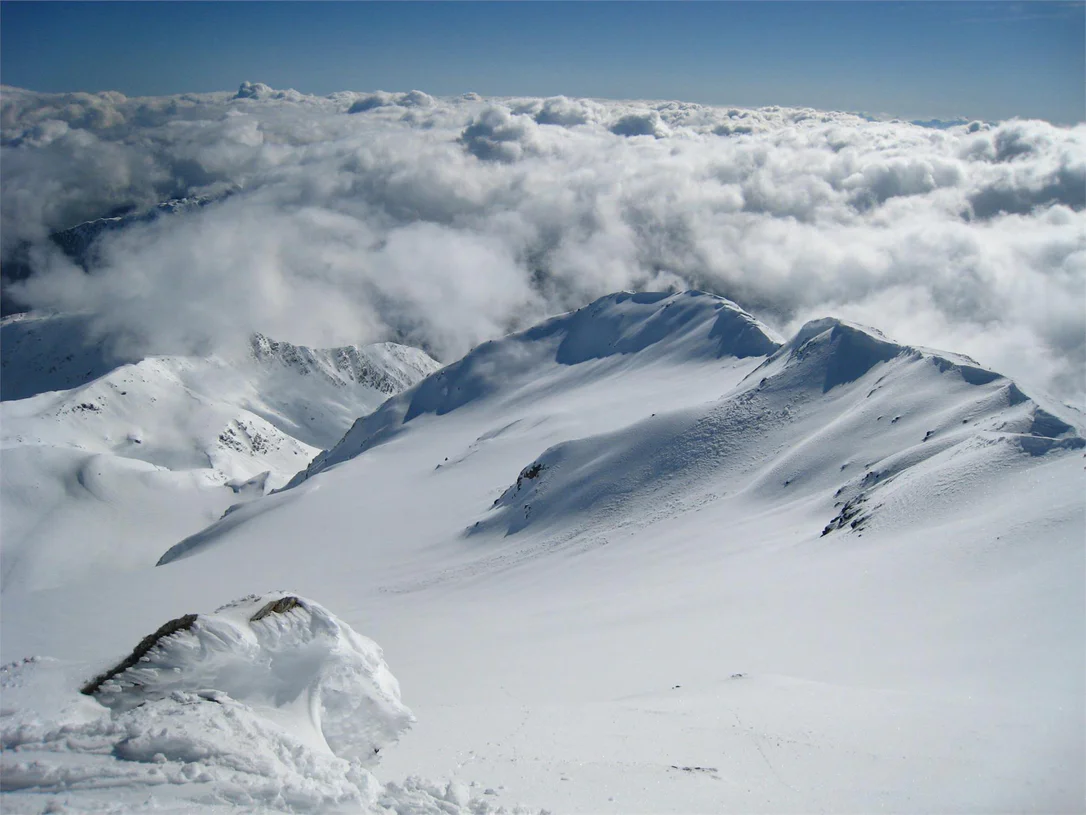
(104, 474)
(51, 352)
(646, 557)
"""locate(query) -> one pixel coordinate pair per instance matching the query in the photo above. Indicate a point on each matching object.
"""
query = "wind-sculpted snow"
(277, 653)
(271, 703)
(444, 223)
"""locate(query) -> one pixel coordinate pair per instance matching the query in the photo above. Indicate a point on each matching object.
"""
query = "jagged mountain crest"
(78, 241)
(42, 352)
(386, 367)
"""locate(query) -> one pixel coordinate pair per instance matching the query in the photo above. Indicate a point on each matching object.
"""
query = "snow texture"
(108, 461)
(270, 703)
(645, 557)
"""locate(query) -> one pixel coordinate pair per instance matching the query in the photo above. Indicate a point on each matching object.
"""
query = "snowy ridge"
(107, 473)
(833, 352)
(900, 411)
(78, 241)
(386, 367)
(270, 703)
(53, 352)
(653, 327)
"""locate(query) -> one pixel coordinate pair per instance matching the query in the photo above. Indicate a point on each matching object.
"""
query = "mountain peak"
(631, 322)
(650, 327)
(844, 351)
(613, 331)
(831, 352)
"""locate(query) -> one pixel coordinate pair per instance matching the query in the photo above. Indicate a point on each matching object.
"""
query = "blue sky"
(916, 60)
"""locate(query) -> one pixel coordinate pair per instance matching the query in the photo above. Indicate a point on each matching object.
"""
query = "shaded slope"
(51, 352)
(838, 411)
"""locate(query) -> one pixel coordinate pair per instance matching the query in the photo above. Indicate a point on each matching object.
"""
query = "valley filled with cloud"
(360, 217)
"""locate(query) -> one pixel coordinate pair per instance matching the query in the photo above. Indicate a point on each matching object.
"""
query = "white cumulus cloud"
(445, 222)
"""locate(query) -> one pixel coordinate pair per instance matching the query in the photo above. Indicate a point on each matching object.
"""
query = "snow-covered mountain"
(650, 557)
(106, 463)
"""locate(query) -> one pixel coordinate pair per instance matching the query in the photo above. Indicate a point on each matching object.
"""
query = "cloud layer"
(446, 222)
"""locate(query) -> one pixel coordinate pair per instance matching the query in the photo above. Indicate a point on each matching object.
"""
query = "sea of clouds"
(445, 222)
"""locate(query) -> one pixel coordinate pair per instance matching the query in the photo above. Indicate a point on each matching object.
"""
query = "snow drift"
(280, 654)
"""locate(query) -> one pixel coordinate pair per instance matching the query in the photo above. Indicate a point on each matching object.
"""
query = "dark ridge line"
(140, 651)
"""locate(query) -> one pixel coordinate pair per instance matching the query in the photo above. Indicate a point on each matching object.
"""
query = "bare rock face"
(139, 652)
(280, 606)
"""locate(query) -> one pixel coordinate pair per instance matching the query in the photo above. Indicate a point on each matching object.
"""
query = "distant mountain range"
(78, 241)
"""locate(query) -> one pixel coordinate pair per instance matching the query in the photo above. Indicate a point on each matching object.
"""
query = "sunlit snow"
(647, 556)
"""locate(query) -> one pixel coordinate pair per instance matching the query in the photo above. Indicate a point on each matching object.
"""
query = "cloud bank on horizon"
(446, 222)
